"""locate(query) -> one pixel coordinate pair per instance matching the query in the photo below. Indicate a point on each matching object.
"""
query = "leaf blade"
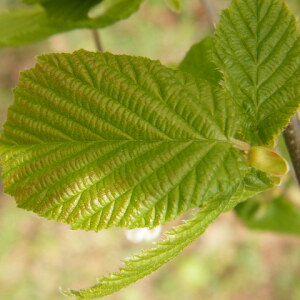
(97, 140)
(261, 77)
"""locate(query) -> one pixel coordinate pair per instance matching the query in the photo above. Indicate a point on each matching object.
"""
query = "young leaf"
(198, 62)
(176, 240)
(278, 215)
(97, 140)
(28, 25)
(268, 161)
(257, 47)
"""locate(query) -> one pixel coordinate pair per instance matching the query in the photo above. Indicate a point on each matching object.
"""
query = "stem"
(210, 13)
(96, 37)
(292, 140)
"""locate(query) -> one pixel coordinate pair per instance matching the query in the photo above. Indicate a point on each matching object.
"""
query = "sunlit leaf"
(257, 47)
(175, 241)
(97, 140)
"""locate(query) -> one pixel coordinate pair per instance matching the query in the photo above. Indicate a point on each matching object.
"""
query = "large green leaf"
(98, 140)
(28, 25)
(175, 241)
(278, 215)
(257, 47)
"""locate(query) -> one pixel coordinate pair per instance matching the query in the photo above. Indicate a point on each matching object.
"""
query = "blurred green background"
(229, 262)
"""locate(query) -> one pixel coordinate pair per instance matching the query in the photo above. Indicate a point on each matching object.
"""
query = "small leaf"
(278, 215)
(257, 46)
(268, 161)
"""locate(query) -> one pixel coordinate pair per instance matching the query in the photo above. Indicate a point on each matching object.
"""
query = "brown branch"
(96, 37)
(292, 140)
(210, 13)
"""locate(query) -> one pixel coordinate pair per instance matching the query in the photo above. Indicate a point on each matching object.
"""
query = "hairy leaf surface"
(28, 25)
(175, 241)
(98, 140)
(257, 46)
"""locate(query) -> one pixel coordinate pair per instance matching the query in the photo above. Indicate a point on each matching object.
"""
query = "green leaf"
(97, 140)
(28, 25)
(257, 47)
(68, 10)
(111, 12)
(278, 215)
(175, 5)
(198, 62)
(175, 241)
(24, 26)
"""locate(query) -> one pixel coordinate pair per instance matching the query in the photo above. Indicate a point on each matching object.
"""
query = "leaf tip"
(69, 292)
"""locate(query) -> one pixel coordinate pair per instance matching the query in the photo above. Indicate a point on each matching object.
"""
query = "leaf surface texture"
(257, 47)
(97, 140)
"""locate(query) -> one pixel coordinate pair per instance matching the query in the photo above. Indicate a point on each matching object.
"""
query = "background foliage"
(228, 262)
